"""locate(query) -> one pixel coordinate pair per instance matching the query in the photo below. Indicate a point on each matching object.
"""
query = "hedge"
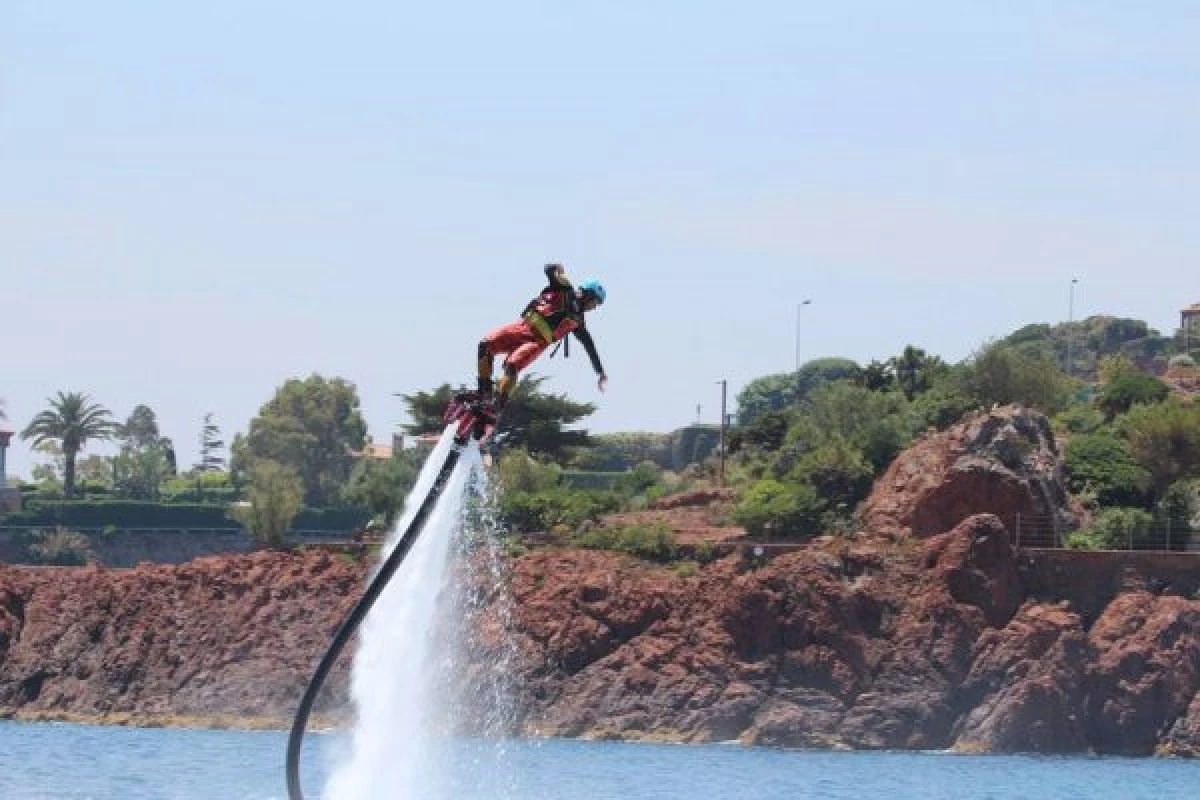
(141, 514)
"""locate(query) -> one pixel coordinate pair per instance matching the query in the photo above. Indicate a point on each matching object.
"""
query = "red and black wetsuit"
(548, 318)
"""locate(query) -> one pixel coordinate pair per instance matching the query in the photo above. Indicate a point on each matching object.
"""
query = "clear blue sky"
(198, 202)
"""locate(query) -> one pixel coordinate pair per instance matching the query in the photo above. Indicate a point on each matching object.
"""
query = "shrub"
(1165, 439)
(942, 406)
(528, 512)
(838, 471)
(519, 472)
(1174, 514)
(1129, 389)
(59, 548)
(772, 508)
(275, 497)
(1116, 529)
(1101, 463)
(686, 569)
(706, 552)
(1079, 419)
(1000, 375)
(654, 541)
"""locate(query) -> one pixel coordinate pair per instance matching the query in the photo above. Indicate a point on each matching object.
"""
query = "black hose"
(355, 617)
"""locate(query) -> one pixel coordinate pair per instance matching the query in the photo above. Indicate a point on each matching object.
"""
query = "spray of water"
(408, 669)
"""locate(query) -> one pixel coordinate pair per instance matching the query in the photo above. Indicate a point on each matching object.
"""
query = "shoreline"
(319, 723)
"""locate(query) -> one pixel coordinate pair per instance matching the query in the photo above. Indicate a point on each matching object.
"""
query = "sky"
(199, 202)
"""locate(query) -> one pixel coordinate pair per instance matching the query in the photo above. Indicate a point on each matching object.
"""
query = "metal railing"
(1045, 533)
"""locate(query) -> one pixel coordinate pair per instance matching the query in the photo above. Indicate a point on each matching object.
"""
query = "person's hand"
(602, 382)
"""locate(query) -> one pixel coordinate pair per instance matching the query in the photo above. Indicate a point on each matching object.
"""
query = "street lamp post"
(1070, 322)
(724, 423)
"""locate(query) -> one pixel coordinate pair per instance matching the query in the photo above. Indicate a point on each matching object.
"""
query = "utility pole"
(798, 307)
(724, 422)
(1070, 322)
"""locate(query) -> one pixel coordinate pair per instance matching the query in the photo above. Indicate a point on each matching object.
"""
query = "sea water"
(70, 762)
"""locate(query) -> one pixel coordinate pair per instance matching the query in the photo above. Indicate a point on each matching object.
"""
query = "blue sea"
(102, 763)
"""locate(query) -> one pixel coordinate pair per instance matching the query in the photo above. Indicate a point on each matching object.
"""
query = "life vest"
(552, 314)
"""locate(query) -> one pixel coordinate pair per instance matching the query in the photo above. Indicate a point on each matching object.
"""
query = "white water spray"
(395, 751)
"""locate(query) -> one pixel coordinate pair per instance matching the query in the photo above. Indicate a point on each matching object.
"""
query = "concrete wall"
(1090, 579)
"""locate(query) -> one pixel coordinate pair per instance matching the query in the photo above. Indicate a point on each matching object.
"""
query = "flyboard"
(472, 421)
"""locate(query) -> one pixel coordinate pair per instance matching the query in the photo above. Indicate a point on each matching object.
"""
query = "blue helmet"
(596, 289)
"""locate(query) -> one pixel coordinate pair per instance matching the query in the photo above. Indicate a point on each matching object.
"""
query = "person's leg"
(517, 360)
(504, 339)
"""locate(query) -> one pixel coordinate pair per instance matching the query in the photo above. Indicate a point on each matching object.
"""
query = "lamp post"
(1070, 322)
(798, 307)
(724, 423)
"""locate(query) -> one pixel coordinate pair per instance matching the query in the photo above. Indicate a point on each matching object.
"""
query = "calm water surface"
(67, 761)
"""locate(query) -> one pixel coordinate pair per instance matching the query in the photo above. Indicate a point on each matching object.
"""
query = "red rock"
(1003, 462)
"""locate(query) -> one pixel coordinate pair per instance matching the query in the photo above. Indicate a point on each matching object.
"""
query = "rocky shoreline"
(929, 630)
(864, 645)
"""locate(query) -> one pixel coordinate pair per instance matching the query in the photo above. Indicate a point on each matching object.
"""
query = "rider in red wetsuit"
(548, 318)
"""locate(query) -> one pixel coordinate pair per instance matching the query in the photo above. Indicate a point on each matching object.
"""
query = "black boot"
(485, 388)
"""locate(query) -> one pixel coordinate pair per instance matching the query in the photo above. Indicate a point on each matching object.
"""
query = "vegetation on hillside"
(804, 453)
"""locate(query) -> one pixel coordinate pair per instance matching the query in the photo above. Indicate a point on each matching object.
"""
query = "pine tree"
(211, 444)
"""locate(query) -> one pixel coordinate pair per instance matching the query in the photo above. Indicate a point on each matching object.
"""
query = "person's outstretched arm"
(585, 337)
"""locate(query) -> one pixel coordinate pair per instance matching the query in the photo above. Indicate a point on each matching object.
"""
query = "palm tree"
(72, 420)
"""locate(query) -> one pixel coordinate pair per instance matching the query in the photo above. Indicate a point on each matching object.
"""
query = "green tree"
(312, 426)
(274, 498)
(72, 420)
(211, 443)
(838, 471)
(534, 420)
(1165, 439)
(381, 485)
(776, 392)
(95, 471)
(1000, 375)
(1174, 514)
(141, 472)
(878, 376)
(878, 424)
(1129, 389)
(915, 370)
(147, 458)
(140, 429)
(1101, 463)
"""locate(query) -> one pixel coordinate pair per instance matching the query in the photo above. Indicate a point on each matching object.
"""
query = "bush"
(654, 541)
(771, 508)
(58, 548)
(943, 405)
(529, 512)
(1175, 513)
(1101, 463)
(1130, 389)
(686, 569)
(1165, 439)
(1116, 529)
(1079, 419)
(838, 471)
(1000, 375)
(520, 472)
